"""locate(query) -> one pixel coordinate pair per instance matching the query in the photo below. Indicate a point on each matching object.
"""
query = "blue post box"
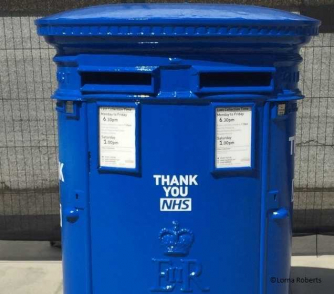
(176, 146)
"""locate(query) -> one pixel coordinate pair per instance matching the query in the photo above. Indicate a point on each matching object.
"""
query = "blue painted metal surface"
(176, 64)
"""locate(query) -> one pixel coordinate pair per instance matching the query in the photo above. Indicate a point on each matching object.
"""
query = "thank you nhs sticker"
(175, 191)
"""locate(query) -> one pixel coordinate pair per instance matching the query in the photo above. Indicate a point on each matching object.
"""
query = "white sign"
(292, 145)
(60, 171)
(176, 191)
(117, 137)
(233, 137)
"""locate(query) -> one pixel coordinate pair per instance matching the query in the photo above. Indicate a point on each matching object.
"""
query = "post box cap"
(175, 20)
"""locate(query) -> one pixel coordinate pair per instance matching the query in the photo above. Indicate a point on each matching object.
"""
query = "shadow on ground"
(29, 251)
(323, 285)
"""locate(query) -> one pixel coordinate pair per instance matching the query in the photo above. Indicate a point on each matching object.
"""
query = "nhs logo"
(175, 204)
(176, 191)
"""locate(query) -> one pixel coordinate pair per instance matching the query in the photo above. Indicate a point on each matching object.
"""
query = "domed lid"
(177, 20)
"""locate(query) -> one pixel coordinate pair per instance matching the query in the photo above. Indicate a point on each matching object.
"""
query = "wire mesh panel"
(29, 201)
(29, 205)
(314, 181)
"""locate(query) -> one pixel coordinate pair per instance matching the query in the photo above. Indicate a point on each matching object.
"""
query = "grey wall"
(28, 134)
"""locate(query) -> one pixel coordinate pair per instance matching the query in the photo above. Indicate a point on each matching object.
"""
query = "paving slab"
(31, 277)
(312, 274)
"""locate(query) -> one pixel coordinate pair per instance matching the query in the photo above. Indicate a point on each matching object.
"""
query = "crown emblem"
(176, 241)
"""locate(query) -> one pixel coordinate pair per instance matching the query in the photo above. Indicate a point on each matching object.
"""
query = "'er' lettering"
(185, 275)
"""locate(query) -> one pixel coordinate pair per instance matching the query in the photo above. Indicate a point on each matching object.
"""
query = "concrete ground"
(319, 272)
(35, 267)
(31, 277)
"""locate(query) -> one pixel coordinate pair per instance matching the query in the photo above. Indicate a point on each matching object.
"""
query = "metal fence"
(29, 204)
(314, 178)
